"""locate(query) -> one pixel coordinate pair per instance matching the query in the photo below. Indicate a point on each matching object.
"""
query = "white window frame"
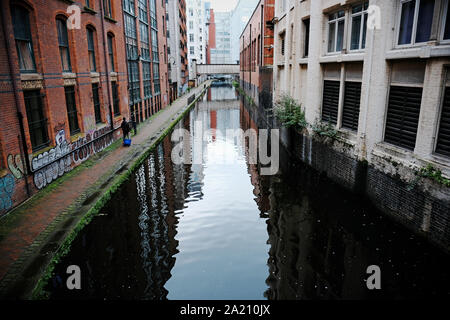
(413, 42)
(335, 21)
(444, 18)
(361, 32)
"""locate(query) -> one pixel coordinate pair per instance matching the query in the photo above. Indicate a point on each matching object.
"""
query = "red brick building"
(146, 54)
(256, 53)
(211, 36)
(64, 80)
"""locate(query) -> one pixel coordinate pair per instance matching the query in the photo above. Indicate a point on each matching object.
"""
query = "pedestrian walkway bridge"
(219, 69)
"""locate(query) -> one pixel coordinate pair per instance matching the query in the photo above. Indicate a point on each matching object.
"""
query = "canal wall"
(419, 203)
(28, 275)
(397, 189)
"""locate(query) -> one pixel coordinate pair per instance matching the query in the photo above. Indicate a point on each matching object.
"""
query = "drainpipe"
(108, 82)
(24, 147)
(250, 62)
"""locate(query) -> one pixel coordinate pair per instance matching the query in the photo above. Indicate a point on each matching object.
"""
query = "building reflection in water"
(224, 232)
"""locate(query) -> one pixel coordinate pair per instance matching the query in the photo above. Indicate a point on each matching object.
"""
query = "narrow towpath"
(25, 223)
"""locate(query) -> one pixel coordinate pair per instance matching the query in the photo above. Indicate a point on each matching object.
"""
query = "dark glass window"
(72, 110)
(107, 8)
(306, 28)
(111, 51)
(37, 123)
(403, 116)
(96, 99)
(63, 42)
(91, 50)
(22, 35)
(115, 96)
(447, 24)
(424, 20)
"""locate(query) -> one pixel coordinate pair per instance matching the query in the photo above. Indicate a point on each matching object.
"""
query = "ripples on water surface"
(222, 231)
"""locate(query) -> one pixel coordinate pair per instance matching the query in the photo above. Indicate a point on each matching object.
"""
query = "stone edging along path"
(27, 277)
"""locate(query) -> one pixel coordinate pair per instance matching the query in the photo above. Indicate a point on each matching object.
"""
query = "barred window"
(96, 99)
(63, 42)
(111, 51)
(22, 35)
(37, 123)
(107, 7)
(115, 96)
(91, 49)
(72, 114)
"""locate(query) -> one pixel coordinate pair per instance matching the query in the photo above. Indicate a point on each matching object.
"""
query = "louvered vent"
(403, 116)
(443, 141)
(330, 101)
(352, 97)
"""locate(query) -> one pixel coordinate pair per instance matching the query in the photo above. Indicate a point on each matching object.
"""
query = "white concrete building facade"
(379, 71)
(197, 37)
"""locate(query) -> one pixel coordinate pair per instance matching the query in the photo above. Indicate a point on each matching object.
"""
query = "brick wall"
(50, 80)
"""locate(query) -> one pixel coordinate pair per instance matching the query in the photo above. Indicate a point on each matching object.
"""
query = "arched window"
(91, 49)
(111, 50)
(22, 35)
(63, 42)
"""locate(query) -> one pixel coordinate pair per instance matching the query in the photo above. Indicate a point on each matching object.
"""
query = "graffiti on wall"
(15, 165)
(7, 184)
(54, 163)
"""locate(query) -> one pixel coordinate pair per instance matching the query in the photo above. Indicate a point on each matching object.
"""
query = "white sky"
(223, 5)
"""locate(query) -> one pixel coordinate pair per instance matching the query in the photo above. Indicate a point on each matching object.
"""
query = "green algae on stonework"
(39, 292)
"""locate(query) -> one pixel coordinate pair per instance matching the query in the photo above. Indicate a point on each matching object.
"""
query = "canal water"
(217, 229)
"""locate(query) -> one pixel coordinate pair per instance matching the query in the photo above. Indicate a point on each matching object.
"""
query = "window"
(63, 42)
(128, 6)
(107, 8)
(404, 102)
(330, 103)
(191, 37)
(111, 51)
(306, 43)
(115, 97)
(96, 99)
(71, 110)
(350, 112)
(336, 24)
(143, 10)
(147, 78)
(88, 3)
(191, 25)
(446, 21)
(359, 26)
(22, 35)
(416, 18)
(37, 124)
(191, 50)
(91, 49)
(443, 139)
(282, 43)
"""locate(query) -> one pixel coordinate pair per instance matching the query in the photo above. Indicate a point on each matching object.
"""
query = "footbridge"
(216, 69)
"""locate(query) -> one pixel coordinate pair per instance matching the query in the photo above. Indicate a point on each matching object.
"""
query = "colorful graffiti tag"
(7, 184)
(15, 165)
(54, 163)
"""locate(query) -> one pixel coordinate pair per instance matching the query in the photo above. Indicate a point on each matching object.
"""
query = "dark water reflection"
(222, 231)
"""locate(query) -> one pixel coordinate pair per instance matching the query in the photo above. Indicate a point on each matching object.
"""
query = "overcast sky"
(223, 5)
